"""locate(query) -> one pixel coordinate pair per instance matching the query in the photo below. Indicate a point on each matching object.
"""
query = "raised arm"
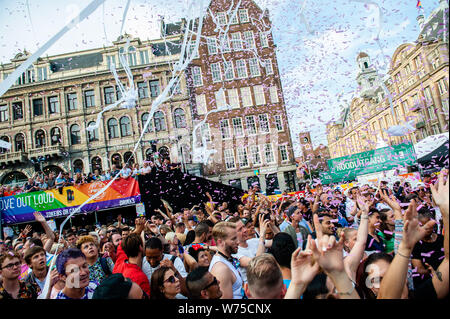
(440, 193)
(352, 261)
(50, 235)
(394, 280)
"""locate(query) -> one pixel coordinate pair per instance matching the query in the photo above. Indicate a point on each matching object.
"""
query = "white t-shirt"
(146, 170)
(250, 251)
(126, 172)
(349, 207)
(178, 264)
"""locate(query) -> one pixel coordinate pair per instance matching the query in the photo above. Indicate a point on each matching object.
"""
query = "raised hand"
(140, 224)
(412, 231)
(327, 252)
(303, 266)
(440, 191)
(38, 217)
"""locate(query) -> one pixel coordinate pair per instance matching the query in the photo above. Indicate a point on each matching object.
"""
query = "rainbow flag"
(419, 4)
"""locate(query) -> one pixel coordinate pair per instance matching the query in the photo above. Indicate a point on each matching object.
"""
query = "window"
(233, 97)
(249, 40)
(228, 70)
(405, 107)
(200, 102)
(2, 149)
(160, 121)
(268, 153)
(125, 126)
(215, 72)
(221, 18)
(397, 113)
(236, 41)
(279, 123)
(144, 57)
(273, 94)
(229, 159)
(242, 157)
(193, 54)
(408, 69)
(19, 143)
(224, 43)
(258, 90)
(109, 95)
(89, 98)
(132, 56)
(145, 117)
(17, 110)
(53, 105)
(225, 129)
(179, 118)
(243, 15)
(284, 153)
(72, 101)
(118, 93)
(113, 128)
(263, 123)
(442, 85)
(116, 159)
(254, 67)
(431, 112)
(96, 164)
(417, 62)
(39, 139)
(220, 99)
(255, 154)
(237, 127)
(55, 136)
(251, 125)
(111, 59)
(75, 134)
(246, 97)
(435, 129)
(241, 69)
(92, 135)
(4, 114)
(42, 73)
(427, 94)
(435, 63)
(154, 88)
(175, 89)
(205, 131)
(38, 107)
(212, 45)
(445, 106)
(142, 90)
(197, 76)
(263, 39)
(233, 17)
(268, 66)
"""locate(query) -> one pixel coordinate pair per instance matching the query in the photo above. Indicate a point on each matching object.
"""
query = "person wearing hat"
(117, 286)
(295, 225)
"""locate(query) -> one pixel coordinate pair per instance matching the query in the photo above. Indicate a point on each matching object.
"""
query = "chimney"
(421, 20)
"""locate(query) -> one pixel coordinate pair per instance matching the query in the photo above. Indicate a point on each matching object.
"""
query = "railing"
(45, 150)
(13, 156)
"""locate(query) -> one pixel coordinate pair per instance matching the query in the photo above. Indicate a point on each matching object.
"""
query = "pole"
(96, 220)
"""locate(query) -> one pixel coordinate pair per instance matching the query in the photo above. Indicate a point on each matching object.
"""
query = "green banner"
(383, 159)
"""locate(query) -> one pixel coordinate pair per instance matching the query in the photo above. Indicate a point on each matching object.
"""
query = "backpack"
(105, 266)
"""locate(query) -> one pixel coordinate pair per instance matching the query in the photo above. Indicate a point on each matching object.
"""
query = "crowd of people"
(44, 181)
(385, 241)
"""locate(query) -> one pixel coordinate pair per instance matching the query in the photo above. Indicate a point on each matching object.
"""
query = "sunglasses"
(11, 266)
(214, 282)
(171, 279)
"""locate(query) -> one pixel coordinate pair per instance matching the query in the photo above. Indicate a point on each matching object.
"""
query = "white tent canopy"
(430, 144)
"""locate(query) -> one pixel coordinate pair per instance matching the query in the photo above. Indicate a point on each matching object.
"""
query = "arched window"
(96, 164)
(52, 169)
(125, 126)
(14, 178)
(92, 135)
(149, 154)
(164, 152)
(40, 139)
(128, 156)
(6, 139)
(75, 134)
(78, 166)
(160, 122)
(55, 136)
(116, 159)
(19, 143)
(113, 128)
(144, 120)
(179, 118)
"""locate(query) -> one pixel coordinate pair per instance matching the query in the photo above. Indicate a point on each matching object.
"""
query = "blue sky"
(316, 58)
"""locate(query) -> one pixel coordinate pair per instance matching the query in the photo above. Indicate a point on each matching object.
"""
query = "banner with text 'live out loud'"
(52, 204)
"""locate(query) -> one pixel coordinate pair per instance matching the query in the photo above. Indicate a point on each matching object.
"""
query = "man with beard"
(223, 266)
(201, 284)
(74, 271)
(35, 258)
